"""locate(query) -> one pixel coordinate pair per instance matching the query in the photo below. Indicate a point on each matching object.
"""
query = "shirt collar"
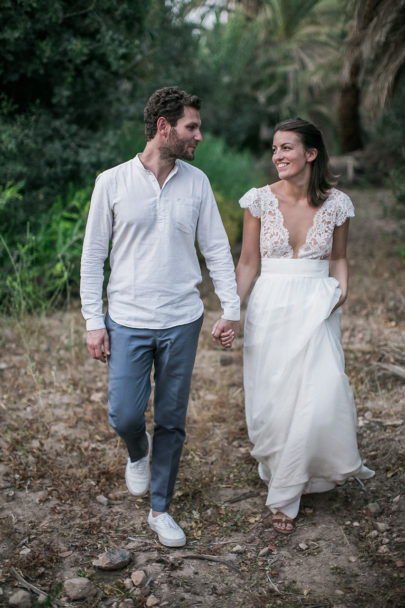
(139, 164)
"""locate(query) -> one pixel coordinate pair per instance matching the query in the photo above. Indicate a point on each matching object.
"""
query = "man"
(152, 208)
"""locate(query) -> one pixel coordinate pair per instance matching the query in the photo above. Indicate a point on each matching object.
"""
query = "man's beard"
(176, 148)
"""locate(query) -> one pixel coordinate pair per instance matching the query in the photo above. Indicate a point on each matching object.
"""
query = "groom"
(151, 209)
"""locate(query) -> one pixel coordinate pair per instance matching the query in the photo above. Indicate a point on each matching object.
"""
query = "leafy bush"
(231, 173)
(41, 270)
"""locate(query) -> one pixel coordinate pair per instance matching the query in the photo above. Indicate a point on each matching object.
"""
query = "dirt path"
(63, 496)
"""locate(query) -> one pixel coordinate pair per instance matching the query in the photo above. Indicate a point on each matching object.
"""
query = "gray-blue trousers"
(133, 353)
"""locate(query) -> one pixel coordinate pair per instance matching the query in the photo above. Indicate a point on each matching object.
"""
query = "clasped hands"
(98, 343)
(225, 331)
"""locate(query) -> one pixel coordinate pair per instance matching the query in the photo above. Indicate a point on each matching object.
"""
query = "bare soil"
(63, 499)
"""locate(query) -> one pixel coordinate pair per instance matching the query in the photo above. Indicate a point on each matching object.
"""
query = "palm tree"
(299, 57)
(374, 59)
(289, 55)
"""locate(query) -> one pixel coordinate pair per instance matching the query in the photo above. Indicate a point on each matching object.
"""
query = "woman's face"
(290, 157)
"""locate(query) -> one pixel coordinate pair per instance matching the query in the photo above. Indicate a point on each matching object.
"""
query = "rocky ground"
(64, 504)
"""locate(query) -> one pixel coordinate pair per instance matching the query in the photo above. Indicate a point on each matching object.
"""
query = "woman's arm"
(338, 261)
(250, 256)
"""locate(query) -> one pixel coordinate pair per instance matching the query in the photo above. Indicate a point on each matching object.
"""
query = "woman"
(299, 406)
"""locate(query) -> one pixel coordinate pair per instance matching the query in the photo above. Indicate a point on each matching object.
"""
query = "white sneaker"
(137, 474)
(169, 533)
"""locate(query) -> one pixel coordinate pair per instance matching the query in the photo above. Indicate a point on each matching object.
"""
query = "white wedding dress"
(300, 411)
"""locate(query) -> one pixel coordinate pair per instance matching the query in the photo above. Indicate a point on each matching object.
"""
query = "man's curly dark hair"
(168, 102)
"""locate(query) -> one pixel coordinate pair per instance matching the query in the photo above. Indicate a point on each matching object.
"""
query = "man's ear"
(163, 126)
(311, 154)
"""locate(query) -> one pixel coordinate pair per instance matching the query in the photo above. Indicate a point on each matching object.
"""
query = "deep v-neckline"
(285, 229)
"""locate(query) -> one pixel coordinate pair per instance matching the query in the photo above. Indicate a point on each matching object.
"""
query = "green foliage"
(41, 270)
(231, 174)
(230, 83)
(70, 77)
(282, 63)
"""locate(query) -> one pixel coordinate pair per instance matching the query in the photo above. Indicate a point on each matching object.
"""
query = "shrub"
(41, 270)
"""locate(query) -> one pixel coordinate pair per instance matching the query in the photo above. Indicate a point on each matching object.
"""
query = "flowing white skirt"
(300, 411)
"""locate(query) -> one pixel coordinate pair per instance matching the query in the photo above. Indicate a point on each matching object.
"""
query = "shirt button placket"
(158, 203)
(160, 217)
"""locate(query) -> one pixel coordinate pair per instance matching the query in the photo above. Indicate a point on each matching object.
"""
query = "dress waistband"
(302, 266)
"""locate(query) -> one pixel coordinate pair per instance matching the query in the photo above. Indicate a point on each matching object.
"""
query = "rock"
(374, 508)
(103, 500)
(226, 360)
(381, 526)
(20, 598)
(42, 599)
(128, 584)
(138, 577)
(113, 560)
(79, 588)
(128, 603)
(373, 534)
(383, 549)
(303, 546)
(339, 592)
(152, 601)
(264, 551)
(185, 572)
(10, 495)
(154, 569)
(352, 559)
(237, 549)
(145, 557)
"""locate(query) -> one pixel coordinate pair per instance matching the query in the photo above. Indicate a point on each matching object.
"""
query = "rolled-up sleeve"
(214, 245)
(95, 251)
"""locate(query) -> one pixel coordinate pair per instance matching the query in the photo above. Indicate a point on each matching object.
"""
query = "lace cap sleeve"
(251, 201)
(344, 209)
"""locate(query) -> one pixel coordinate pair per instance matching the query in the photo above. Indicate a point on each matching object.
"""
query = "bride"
(300, 411)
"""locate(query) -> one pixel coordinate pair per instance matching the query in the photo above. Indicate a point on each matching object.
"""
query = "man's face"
(185, 136)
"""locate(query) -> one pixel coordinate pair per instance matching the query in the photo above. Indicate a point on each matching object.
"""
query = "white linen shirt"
(153, 259)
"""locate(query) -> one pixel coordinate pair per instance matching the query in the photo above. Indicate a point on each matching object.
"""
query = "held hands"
(225, 331)
(98, 344)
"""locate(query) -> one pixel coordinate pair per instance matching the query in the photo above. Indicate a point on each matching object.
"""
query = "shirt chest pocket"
(185, 214)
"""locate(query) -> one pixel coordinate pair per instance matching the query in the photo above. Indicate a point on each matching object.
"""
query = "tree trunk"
(349, 123)
(251, 7)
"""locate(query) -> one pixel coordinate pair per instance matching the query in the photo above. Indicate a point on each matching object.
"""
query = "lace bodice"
(274, 236)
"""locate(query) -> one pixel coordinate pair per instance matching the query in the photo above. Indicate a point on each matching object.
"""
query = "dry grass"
(58, 455)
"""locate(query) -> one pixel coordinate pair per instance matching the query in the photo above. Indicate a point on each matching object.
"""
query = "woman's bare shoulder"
(276, 187)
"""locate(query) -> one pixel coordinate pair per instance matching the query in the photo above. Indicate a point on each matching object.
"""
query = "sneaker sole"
(169, 542)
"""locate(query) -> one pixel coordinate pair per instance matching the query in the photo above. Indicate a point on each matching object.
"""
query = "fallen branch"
(31, 587)
(361, 484)
(345, 537)
(396, 370)
(210, 558)
(273, 585)
(243, 496)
